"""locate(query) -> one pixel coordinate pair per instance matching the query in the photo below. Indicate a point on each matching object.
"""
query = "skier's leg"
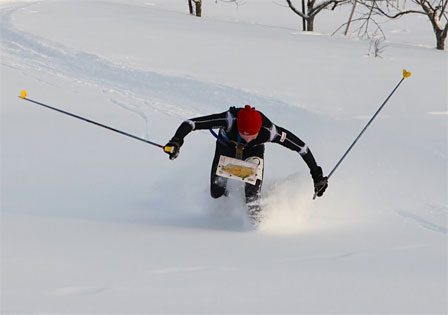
(218, 184)
(253, 192)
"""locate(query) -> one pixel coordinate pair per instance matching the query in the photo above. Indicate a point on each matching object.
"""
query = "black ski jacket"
(228, 131)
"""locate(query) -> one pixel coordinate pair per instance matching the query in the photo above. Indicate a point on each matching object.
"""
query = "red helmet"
(249, 121)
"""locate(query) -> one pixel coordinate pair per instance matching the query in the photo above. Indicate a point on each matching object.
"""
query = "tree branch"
(296, 11)
(377, 8)
(442, 11)
(323, 5)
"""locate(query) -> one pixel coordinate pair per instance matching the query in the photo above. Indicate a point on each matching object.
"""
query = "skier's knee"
(218, 187)
(215, 195)
(217, 192)
(253, 192)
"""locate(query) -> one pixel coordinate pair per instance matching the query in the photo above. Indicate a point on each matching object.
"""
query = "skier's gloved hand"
(172, 147)
(321, 186)
(320, 181)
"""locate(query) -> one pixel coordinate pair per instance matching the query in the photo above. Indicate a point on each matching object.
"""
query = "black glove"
(320, 182)
(172, 147)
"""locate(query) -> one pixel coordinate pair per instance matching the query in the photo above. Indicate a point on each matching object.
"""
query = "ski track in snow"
(424, 223)
(168, 94)
(78, 290)
(351, 254)
(178, 270)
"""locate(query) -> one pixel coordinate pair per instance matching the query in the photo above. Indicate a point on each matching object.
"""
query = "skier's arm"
(214, 121)
(291, 141)
(221, 120)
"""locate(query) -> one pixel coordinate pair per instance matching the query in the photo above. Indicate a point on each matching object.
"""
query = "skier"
(242, 134)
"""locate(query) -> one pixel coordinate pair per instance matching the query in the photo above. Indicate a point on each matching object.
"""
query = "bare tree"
(197, 10)
(367, 26)
(313, 7)
(435, 10)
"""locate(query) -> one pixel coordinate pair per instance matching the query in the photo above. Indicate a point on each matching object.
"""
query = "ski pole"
(23, 95)
(406, 74)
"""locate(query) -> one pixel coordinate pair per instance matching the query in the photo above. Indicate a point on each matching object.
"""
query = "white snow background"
(93, 222)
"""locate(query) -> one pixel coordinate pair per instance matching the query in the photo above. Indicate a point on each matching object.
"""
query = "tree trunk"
(198, 4)
(441, 36)
(440, 40)
(350, 18)
(310, 24)
(435, 21)
(303, 19)
(190, 6)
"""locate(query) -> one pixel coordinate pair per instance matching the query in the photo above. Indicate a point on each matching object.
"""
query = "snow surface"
(93, 222)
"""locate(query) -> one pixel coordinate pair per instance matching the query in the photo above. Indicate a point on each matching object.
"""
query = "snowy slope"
(94, 222)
